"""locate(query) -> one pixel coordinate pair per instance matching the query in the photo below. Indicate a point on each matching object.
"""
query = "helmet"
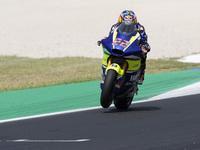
(127, 17)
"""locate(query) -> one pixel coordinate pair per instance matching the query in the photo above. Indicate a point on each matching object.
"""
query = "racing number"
(120, 42)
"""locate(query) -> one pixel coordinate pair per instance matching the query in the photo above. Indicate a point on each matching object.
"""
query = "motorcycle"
(121, 67)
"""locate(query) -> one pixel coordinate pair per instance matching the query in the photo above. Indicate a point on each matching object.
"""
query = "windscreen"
(127, 29)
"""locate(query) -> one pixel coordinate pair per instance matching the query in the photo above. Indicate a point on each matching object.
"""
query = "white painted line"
(191, 59)
(49, 114)
(48, 141)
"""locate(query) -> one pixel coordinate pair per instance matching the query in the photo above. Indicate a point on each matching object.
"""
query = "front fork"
(119, 68)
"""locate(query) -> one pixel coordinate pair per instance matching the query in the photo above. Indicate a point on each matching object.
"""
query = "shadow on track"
(136, 109)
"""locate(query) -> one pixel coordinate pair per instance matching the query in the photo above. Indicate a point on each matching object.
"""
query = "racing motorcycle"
(121, 67)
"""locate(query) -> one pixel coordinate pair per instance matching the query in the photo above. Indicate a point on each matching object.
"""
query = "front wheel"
(108, 87)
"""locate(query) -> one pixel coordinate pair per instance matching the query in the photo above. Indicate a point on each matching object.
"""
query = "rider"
(129, 19)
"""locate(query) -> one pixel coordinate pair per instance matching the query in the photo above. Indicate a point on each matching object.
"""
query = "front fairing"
(120, 44)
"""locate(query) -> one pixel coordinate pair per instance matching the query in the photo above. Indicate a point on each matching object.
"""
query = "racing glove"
(99, 43)
(144, 48)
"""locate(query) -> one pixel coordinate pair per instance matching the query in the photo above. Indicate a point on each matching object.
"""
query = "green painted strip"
(155, 84)
(37, 101)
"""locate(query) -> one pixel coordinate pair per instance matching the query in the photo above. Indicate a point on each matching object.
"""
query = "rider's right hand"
(99, 43)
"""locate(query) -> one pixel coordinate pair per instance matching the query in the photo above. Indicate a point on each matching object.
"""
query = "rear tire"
(108, 87)
(123, 103)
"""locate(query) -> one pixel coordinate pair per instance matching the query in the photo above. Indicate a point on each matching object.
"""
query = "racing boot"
(143, 67)
(140, 81)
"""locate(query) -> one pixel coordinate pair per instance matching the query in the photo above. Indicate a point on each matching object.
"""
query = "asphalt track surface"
(169, 124)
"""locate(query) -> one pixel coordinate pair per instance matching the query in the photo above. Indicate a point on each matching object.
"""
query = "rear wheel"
(123, 103)
(108, 87)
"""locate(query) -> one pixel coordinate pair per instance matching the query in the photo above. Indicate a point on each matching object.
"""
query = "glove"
(144, 48)
(99, 43)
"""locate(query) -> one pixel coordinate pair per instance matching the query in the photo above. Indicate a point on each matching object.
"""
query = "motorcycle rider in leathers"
(129, 18)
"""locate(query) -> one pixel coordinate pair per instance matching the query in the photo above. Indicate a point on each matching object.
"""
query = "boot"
(140, 81)
(143, 67)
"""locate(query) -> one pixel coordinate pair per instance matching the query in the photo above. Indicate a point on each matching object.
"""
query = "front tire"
(108, 87)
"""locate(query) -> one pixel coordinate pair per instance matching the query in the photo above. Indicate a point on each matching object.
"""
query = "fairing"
(125, 43)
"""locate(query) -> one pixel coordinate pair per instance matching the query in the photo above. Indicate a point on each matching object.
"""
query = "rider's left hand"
(144, 48)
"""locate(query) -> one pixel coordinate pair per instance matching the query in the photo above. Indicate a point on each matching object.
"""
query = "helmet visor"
(128, 19)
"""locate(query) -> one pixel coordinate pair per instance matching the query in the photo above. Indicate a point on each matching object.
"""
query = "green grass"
(18, 73)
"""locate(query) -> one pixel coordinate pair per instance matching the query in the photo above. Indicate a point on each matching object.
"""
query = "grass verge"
(18, 73)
